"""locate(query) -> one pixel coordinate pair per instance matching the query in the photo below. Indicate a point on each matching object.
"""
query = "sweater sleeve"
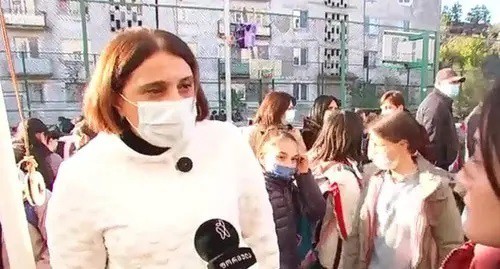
(311, 197)
(256, 215)
(73, 240)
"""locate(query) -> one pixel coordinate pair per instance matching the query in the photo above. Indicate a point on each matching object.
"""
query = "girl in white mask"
(276, 111)
(408, 218)
(136, 194)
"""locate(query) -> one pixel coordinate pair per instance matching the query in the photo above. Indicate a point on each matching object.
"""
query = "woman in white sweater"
(136, 194)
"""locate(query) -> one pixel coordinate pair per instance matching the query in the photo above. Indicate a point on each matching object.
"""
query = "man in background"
(436, 115)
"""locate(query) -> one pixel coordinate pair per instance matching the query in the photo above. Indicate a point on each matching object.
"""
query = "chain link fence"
(303, 55)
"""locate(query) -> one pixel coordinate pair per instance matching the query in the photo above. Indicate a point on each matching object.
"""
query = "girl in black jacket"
(293, 193)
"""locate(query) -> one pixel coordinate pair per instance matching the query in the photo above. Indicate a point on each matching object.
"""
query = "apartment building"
(297, 46)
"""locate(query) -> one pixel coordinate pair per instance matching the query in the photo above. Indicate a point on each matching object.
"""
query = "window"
(300, 91)
(29, 45)
(72, 8)
(372, 59)
(73, 48)
(405, 2)
(406, 25)
(372, 26)
(35, 91)
(18, 6)
(299, 56)
(263, 52)
(74, 92)
(299, 19)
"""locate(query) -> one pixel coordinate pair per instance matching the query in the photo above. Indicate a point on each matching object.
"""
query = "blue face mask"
(451, 90)
(282, 172)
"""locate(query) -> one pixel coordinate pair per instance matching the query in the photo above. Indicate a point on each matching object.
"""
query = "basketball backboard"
(405, 47)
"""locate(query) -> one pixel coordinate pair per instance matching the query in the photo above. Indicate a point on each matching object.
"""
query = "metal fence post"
(219, 86)
(85, 47)
(25, 80)
(343, 62)
(424, 67)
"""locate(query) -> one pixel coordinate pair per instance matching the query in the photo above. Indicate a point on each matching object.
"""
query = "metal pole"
(157, 15)
(437, 46)
(227, 62)
(14, 224)
(219, 86)
(424, 67)
(343, 62)
(83, 17)
(26, 89)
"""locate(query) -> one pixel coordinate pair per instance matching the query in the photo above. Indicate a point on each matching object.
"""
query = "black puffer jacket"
(289, 202)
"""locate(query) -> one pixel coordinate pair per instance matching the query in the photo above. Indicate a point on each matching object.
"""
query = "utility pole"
(227, 61)
(157, 15)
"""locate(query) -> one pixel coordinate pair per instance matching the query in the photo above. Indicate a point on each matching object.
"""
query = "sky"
(493, 6)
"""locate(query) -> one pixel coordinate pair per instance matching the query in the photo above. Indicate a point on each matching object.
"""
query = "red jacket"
(473, 256)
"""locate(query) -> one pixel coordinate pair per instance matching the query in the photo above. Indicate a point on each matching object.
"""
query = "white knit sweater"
(115, 208)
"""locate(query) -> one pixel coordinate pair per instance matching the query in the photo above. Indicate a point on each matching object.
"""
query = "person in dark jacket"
(435, 114)
(296, 207)
(39, 143)
(312, 125)
(472, 123)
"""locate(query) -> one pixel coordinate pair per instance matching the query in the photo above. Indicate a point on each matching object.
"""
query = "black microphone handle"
(239, 258)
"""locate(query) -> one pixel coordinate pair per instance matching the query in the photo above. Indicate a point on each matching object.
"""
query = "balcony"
(239, 69)
(25, 20)
(31, 66)
(263, 32)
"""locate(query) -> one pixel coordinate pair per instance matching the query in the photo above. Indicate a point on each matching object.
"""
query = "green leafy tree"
(466, 54)
(446, 16)
(479, 14)
(456, 12)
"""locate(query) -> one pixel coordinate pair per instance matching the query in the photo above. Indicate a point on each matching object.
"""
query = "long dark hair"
(313, 123)
(400, 126)
(39, 150)
(489, 131)
(340, 138)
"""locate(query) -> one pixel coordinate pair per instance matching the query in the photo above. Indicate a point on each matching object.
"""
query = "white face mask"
(451, 90)
(165, 123)
(290, 116)
(382, 162)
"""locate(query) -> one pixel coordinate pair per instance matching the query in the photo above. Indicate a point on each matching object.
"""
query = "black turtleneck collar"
(140, 145)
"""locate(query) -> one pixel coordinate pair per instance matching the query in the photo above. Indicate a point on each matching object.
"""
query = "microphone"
(217, 243)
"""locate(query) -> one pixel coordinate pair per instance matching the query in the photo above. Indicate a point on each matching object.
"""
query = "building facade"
(297, 47)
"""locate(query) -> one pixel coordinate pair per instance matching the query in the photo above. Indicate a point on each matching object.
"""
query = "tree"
(456, 12)
(478, 15)
(464, 52)
(446, 16)
(467, 54)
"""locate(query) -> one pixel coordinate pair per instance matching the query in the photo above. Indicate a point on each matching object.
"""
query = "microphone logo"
(221, 229)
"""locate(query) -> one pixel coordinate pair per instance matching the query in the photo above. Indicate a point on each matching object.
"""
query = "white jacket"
(113, 205)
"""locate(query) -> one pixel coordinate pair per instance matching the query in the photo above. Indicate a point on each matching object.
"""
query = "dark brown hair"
(340, 138)
(489, 131)
(272, 109)
(394, 97)
(122, 55)
(401, 126)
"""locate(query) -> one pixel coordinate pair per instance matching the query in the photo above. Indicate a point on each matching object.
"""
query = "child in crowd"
(294, 195)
